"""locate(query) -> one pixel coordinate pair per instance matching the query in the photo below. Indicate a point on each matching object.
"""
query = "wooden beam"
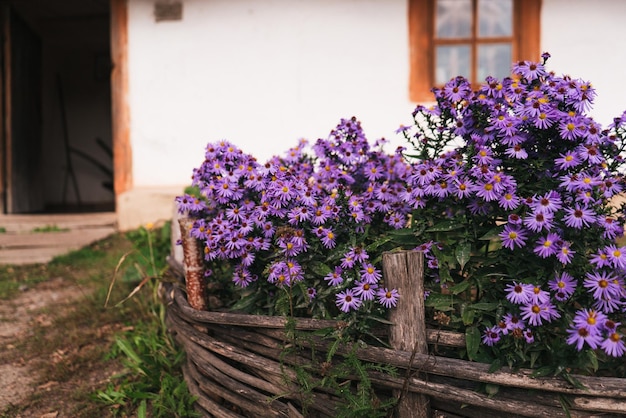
(122, 151)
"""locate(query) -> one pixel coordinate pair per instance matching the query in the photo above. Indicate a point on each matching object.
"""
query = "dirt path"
(20, 376)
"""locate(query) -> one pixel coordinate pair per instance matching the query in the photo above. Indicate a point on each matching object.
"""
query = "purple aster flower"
(539, 296)
(529, 70)
(370, 274)
(347, 301)
(536, 313)
(328, 238)
(614, 345)
(462, 187)
(365, 290)
(617, 256)
(513, 236)
(512, 322)
(565, 254)
(580, 334)
(519, 293)
(491, 336)
(311, 292)
(589, 153)
(579, 217)
(547, 246)
(549, 203)
(359, 254)
(610, 326)
(528, 336)
(537, 221)
(516, 151)
(592, 319)
(242, 277)
(563, 285)
(486, 191)
(509, 201)
(585, 181)
(514, 219)
(334, 278)
(608, 304)
(568, 160)
(602, 285)
(600, 259)
(484, 156)
(388, 298)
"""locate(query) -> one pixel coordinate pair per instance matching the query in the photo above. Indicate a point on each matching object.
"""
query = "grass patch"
(77, 348)
(50, 228)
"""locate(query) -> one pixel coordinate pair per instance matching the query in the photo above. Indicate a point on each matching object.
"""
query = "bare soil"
(51, 360)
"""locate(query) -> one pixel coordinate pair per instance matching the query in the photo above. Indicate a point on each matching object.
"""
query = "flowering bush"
(304, 233)
(509, 191)
(513, 188)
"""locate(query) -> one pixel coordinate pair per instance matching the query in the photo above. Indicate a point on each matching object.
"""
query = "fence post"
(404, 270)
(192, 264)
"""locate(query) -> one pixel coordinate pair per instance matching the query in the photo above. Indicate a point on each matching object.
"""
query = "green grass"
(50, 228)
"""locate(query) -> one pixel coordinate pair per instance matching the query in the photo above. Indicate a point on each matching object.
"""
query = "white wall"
(261, 74)
(585, 39)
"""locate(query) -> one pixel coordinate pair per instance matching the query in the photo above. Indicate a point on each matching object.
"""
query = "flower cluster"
(302, 222)
(516, 186)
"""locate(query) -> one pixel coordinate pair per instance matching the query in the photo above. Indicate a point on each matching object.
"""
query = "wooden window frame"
(526, 42)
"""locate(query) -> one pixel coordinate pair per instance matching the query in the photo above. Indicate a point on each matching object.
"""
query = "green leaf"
(492, 389)
(440, 302)
(128, 350)
(468, 316)
(445, 226)
(463, 254)
(495, 365)
(534, 355)
(374, 245)
(319, 268)
(543, 371)
(472, 342)
(485, 306)
(491, 234)
(459, 288)
(142, 411)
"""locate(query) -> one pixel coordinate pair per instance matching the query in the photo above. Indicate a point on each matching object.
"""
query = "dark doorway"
(56, 107)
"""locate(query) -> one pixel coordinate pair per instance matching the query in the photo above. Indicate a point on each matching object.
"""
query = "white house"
(108, 104)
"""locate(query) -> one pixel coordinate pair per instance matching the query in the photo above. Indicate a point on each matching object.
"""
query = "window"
(472, 38)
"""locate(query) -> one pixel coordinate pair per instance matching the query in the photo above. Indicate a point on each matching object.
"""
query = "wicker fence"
(237, 367)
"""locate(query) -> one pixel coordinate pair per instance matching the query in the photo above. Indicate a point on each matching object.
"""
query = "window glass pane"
(451, 62)
(453, 19)
(495, 18)
(494, 60)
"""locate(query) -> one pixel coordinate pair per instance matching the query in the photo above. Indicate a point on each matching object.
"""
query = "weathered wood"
(193, 266)
(594, 386)
(446, 338)
(206, 404)
(199, 347)
(404, 271)
(469, 397)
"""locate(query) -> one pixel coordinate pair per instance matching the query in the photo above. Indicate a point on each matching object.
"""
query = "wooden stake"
(405, 271)
(193, 266)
